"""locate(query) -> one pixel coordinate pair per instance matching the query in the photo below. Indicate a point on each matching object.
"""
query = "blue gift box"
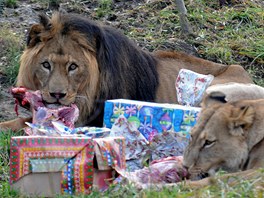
(152, 118)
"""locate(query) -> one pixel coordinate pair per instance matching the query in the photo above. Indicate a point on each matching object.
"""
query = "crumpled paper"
(190, 87)
(59, 129)
(139, 151)
(135, 141)
(167, 144)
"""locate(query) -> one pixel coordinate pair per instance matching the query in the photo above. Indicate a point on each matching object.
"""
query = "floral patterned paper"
(190, 87)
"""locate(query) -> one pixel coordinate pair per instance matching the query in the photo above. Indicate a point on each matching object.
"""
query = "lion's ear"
(44, 21)
(242, 118)
(33, 35)
(35, 30)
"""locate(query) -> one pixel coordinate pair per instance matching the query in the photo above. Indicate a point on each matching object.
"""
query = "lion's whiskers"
(82, 97)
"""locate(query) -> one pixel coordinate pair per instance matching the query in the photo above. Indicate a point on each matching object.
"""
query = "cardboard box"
(151, 118)
(46, 166)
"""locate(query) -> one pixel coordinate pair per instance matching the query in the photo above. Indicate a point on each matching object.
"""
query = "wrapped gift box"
(151, 118)
(46, 166)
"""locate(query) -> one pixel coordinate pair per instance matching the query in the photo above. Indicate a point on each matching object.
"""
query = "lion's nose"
(58, 95)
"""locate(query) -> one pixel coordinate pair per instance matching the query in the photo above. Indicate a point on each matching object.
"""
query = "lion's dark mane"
(130, 72)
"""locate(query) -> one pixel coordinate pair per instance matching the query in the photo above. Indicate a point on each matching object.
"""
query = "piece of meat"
(34, 99)
(20, 100)
(166, 170)
(42, 115)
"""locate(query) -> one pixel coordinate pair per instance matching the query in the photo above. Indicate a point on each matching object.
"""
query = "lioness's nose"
(58, 95)
(186, 167)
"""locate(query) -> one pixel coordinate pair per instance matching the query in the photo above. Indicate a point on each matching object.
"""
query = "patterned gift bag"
(190, 87)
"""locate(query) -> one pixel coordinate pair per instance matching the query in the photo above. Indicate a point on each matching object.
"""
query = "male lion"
(73, 60)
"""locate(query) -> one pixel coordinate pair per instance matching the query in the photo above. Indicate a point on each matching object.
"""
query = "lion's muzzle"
(58, 96)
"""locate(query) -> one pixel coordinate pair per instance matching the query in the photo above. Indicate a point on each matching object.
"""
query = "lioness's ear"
(213, 98)
(241, 119)
(35, 30)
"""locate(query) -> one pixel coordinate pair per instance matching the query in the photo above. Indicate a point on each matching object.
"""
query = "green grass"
(54, 3)
(104, 8)
(5, 190)
(10, 3)
(11, 49)
(238, 31)
(231, 35)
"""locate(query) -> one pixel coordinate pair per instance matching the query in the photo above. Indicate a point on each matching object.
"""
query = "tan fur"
(227, 136)
(231, 92)
(170, 64)
(51, 41)
(14, 125)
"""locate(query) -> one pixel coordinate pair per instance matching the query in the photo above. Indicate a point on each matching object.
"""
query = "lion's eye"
(208, 143)
(46, 65)
(72, 67)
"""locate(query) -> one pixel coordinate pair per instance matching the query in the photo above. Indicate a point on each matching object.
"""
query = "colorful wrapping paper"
(72, 156)
(152, 130)
(59, 129)
(191, 86)
(149, 118)
(139, 150)
(135, 141)
(110, 153)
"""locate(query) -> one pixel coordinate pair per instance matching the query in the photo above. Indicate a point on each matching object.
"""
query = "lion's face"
(218, 140)
(63, 67)
(61, 71)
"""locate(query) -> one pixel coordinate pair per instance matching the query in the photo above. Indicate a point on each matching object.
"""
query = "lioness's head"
(218, 140)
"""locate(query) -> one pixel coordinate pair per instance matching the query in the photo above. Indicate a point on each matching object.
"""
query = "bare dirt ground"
(20, 18)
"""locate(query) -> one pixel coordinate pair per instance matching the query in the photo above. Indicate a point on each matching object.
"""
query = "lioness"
(71, 59)
(227, 136)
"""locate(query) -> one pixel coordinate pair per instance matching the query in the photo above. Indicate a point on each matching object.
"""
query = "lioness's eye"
(208, 143)
(46, 65)
(72, 67)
